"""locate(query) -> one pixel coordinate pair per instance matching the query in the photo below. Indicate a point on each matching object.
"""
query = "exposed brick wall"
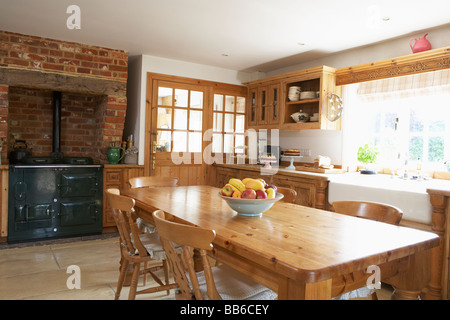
(37, 53)
(90, 123)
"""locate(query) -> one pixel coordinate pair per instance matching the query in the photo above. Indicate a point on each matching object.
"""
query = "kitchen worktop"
(409, 195)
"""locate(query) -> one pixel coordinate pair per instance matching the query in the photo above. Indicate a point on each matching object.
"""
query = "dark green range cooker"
(54, 200)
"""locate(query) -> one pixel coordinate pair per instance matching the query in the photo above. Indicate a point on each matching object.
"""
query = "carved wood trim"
(431, 60)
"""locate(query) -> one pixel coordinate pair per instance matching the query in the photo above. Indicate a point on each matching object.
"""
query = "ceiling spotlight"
(301, 43)
(386, 19)
(225, 54)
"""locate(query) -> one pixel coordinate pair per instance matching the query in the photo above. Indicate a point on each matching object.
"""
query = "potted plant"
(367, 155)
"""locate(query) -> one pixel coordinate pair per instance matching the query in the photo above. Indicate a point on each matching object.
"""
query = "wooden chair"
(370, 210)
(152, 181)
(135, 248)
(289, 194)
(219, 282)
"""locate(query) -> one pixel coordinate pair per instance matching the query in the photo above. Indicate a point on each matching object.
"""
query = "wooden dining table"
(300, 252)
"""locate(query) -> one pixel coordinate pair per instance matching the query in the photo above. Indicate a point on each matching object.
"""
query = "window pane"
(229, 103)
(437, 126)
(415, 122)
(164, 120)
(229, 122)
(195, 142)
(163, 141)
(415, 148)
(436, 149)
(180, 120)
(240, 123)
(239, 141)
(195, 120)
(181, 98)
(179, 141)
(240, 104)
(217, 143)
(164, 96)
(228, 145)
(196, 99)
(218, 102)
(217, 121)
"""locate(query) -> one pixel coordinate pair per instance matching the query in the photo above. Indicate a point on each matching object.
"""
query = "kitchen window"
(405, 117)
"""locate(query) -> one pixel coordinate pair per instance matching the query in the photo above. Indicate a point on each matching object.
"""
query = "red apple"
(249, 194)
(261, 194)
(227, 191)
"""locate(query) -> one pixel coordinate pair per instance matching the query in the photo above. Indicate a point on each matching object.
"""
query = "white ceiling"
(255, 34)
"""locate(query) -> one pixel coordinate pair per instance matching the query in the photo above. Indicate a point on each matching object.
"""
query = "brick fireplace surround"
(93, 85)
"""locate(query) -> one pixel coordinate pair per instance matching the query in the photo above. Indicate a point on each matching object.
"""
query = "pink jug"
(420, 45)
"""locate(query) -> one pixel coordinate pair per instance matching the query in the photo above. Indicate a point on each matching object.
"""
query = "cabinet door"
(273, 111)
(111, 180)
(251, 110)
(262, 105)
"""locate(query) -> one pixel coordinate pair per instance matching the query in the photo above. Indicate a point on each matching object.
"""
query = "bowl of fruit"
(249, 197)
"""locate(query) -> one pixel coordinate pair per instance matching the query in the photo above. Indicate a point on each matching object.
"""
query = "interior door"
(176, 131)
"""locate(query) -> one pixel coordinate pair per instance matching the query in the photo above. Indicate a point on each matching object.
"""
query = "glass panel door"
(179, 123)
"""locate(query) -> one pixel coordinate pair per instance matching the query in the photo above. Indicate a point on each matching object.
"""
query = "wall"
(47, 64)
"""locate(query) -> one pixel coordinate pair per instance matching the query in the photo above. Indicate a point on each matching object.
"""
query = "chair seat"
(153, 245)
(145, 226)
(233, 285)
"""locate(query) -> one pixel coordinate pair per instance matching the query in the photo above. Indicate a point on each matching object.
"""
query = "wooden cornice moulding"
(56, 81)
(431, 60)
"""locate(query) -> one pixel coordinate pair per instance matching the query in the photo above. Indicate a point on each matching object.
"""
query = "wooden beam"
(60, 82)
(426, 61)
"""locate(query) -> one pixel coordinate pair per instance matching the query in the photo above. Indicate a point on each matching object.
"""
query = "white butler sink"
(409, 195)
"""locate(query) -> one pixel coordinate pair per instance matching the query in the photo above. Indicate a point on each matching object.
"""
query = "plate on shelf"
(332, 105)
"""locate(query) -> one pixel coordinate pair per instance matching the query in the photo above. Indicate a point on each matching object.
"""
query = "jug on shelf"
(113, 154)
(420, 45)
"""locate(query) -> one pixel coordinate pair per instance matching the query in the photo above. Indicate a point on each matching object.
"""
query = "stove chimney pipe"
(57, 125)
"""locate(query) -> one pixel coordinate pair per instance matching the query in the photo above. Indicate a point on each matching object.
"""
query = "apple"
(249, 194)
(273, 187)
(261, 194)
(236, 194)
(227, 191)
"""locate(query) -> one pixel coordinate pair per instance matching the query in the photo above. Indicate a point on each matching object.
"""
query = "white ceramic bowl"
(251, 207)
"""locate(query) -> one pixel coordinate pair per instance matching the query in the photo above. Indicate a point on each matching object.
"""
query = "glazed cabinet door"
(251, 110)
(273, 109)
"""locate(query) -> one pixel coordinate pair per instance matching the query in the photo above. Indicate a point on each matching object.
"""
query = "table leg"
(409, 284)
(289, 289)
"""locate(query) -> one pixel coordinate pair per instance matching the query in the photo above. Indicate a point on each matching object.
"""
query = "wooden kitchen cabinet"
(263, 109)
(312, 191)
(116, 176)
(270, 108)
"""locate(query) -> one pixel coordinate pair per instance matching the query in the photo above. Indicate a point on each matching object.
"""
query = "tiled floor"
(40, 272)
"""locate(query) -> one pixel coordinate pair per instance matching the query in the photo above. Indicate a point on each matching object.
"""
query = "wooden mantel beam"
(61, 82)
